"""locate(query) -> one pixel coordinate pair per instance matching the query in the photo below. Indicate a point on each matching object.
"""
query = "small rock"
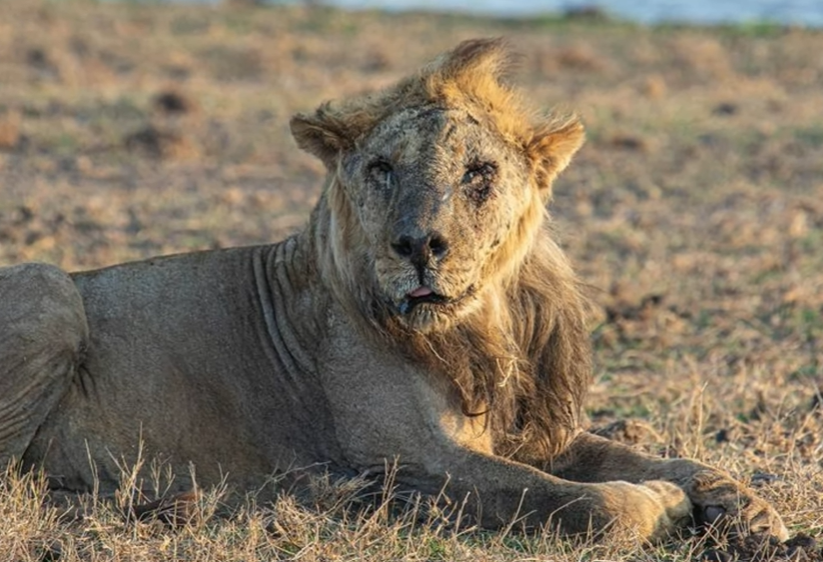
(726, 108)
(173, 102)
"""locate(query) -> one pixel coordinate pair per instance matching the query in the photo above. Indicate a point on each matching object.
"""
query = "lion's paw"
(725, 504)
(653, 510)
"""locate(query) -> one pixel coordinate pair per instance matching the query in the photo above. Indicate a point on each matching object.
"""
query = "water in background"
(795, 12)
(807, 13)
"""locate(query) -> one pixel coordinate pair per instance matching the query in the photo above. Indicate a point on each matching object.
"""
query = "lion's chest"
(385, 408)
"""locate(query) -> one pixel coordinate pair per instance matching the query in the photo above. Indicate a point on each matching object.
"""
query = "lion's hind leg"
(43, 331)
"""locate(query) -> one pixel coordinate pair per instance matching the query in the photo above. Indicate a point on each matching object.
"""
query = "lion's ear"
(475, 58)
(320, 134)
(551, 149)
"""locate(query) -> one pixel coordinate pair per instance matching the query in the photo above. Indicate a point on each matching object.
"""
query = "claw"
(712, 514)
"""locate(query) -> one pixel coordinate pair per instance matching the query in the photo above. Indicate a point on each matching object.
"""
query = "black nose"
(420, 249)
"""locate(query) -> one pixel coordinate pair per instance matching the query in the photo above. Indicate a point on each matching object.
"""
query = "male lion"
(425, 314)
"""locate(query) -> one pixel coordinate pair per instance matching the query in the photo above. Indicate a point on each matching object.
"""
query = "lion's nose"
(421, 249)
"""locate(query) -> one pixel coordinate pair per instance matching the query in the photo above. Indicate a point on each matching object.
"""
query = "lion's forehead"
(428, 133)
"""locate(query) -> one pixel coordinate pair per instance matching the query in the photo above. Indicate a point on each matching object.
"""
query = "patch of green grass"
(754, 29)
(811, 135)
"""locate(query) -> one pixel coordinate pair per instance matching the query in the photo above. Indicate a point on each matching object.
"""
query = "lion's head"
(438, 185)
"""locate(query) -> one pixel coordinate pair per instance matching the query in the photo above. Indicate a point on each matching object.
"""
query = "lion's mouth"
(426, 296)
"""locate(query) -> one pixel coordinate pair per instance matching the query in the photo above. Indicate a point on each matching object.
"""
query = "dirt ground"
(694, 212)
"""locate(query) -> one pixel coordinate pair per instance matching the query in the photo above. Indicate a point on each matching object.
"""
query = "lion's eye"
(478, 178)
(479, 172)
(381, 171)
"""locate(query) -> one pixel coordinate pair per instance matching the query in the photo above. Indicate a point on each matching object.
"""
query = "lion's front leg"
(718, 498)
(494, 492)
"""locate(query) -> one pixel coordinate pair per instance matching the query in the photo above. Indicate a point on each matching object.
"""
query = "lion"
(425, 315)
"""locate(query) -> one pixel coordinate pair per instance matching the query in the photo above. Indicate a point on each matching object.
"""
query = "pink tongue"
(420, 292)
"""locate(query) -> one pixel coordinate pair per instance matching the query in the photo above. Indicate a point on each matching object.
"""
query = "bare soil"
(695, 213)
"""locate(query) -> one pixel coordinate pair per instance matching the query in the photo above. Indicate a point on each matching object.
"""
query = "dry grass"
(695, 212)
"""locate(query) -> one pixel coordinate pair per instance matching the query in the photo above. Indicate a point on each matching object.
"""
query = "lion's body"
(215, 399)
(424, 315)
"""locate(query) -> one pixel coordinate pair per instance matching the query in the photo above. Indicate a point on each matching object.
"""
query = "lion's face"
(436, 192)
